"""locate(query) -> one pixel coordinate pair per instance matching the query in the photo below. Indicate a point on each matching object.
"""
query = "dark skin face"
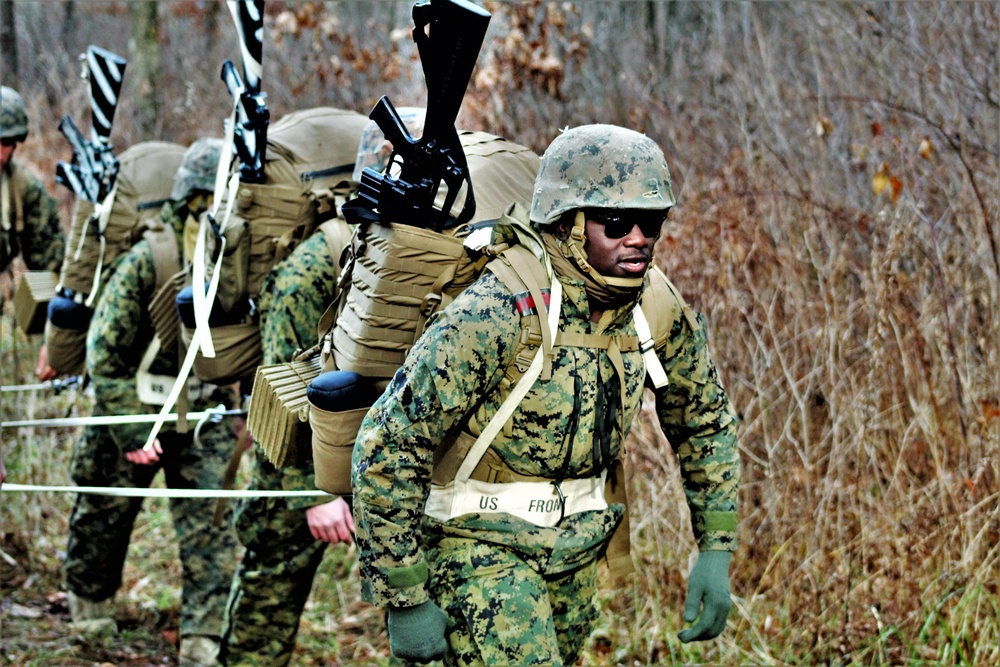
(628, 256)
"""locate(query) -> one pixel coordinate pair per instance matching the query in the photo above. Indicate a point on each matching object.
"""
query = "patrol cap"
(374, 149)
(13, 116)
(600, 166)
(197, 170)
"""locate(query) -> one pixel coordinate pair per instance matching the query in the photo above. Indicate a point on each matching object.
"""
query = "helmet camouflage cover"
(13, 116)
(374, 148)
(600, 166)
(197, 170)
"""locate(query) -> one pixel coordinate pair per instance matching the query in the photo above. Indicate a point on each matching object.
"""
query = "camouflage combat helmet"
(600, 166)
(13, 116)
(197, 170)
(374, 150)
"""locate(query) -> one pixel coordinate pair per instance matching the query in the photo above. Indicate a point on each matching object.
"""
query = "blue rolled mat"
(66, 313)
(339, 391)
(217, 318)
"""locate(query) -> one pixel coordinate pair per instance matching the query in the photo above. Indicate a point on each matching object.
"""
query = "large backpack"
(394, 277)
(398, 275)
(308, 174)
(98, 235)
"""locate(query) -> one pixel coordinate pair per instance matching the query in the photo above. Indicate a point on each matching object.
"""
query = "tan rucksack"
(394, 278)
(398, 275)
(308, 167)
(98, 235)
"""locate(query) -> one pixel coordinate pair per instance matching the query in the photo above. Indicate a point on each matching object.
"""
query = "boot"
(89, 617)
(198, 651)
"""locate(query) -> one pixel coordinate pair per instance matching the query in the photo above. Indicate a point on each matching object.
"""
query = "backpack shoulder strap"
(338, 237)
(521, 272)
(661, 307)
(166, 255)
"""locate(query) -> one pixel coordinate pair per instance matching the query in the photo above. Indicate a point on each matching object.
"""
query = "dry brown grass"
(856, 331)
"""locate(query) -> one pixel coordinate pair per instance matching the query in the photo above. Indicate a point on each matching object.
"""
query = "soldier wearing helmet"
(488, 478)
(29, 222)
(29, 216)
(132, 371)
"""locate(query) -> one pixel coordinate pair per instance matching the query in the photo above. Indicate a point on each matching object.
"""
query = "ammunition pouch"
(279, 410)
(31, 300)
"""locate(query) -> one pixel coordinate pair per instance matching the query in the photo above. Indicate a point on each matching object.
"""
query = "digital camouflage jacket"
(564, 428)
(30, 221)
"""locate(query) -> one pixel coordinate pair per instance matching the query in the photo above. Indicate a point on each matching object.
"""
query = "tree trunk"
(144, 65)
(70, 27)
(8, 45)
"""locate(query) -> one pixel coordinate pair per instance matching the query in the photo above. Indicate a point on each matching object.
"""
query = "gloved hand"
(417, 633)
(708, 592)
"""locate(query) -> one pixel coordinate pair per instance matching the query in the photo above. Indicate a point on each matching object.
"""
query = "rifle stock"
(253, 117)
(80, 176)
(94, 169)
(449, 35)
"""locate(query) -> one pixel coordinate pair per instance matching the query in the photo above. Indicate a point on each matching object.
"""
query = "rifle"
(250, 133)
(92, 173)
(449, 35)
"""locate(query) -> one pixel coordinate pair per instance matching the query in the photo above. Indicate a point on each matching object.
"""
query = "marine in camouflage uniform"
(29, 216)
(282, 554)
(100, 526)
(514, 592)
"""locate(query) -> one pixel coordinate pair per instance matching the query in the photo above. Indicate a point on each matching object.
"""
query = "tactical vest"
(465, 469)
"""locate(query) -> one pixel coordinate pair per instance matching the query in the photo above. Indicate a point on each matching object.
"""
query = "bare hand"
(145, 457)
(43, 371)
(331, 522)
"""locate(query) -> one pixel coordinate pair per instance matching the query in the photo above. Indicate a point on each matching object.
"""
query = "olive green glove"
(417, 633)
(708, 592)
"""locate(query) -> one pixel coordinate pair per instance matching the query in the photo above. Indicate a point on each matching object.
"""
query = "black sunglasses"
(618, 224)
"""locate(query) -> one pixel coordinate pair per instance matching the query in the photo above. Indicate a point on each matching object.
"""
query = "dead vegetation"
(838, 167)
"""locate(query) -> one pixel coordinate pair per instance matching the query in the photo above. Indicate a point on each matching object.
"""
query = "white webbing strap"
(4, 202)
(112, 420)
(102, 212)
(152, 388)
(201, 340)
(202, 337)
(654, 368)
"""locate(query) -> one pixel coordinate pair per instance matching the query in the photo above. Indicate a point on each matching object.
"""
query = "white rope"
(111, 420)
(162, 493)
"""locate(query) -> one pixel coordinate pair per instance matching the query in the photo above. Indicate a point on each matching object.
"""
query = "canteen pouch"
(66, 348)
(237, 353)
(333, 435)
(338, 403)
(233, 288)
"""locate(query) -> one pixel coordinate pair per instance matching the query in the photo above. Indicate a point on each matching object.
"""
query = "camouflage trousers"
(101, 526)
(504, 612)
(273, 582)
